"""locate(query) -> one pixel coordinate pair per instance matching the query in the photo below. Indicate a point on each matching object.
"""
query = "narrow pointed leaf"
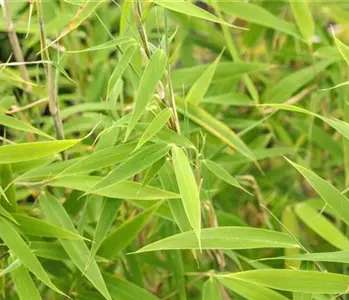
(334, 198)
(151, 76)
(120, 238)
(221, 173)
(254, 13)
(201, 85)
(188, 189)
(215, 127)
(296, 281)
(24, 285)
(304, 19)
(30, 151)
(153, 171)
(249, 290)
(76, 249)
(342, 48)
(132, 166)
(190, 9)
(37, 227)
(120, 68)
(211, 290)
(122, 190)
(20, 125)
(125, 290)
(322, 226)
(109, 209)
(155, 126)
(225, 238)
(16, 244)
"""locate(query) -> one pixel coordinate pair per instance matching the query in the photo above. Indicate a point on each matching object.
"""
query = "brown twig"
(16, 48)
(16, 109)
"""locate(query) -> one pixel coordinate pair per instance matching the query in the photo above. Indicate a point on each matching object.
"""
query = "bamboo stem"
(16, 48)
(52, 97)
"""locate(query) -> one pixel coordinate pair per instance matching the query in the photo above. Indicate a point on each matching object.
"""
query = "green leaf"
(120, 238)
(211, 290)
(124, 290)
(109, 210)
(250, 290)
(122, 190)
(215, 127)
(303, 19)
(132, 166)
(342, 48)
(333, 198)
(225, 238)
(24, 285)
(153, 171)
(188, 189)
(201, 85)
(120, 41)
(322, 226)
(296, 281)
(332, 257)
(76, 249)
(233, 99)
(30, 151)
(15, 243)
(166, 135)
(8, 199)
(150, 78)
(88, 163)
(120, 68)
(37, 227)
(340, 126)
(20, 125)
(190, 9)
(288, 85)
(221, 173)
(155, 126)
(186, 77)
(257, 14)
(13, 265)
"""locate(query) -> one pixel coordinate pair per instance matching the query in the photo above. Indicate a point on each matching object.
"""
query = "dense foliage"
(174, 150)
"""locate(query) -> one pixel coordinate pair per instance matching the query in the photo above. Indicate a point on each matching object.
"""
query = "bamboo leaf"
(76, 249)
(211, 290)
(221, 173)
(37, 227)
(201, 85)
(190, 9)
(16, 244)
(224, 238)
(304, 19)
(215, 127)
(20, 125)
(120, 238)
(188, 189)
(250, 290)
(120, 68)
(257, 14)
(296, 281)
(132, 166)
(122, 190)
(30, 151)
(151, 76)
(334, 198)
(155, 126)
(321, 226)
(109, 209)
(24, 285)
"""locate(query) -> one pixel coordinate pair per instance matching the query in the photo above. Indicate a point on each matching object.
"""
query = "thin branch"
(52, 97)
(16, 48)
(16, 109)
